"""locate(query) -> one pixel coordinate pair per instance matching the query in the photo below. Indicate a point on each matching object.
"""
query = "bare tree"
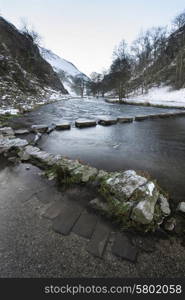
(179, 20)
(29, 31)
(79, 85)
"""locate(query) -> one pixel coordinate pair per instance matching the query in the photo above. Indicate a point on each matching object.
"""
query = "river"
(156, 146)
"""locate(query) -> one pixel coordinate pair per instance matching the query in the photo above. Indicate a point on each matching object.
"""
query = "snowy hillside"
(65, 69)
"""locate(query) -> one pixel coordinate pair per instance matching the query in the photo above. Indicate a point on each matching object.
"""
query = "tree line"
(157, 55)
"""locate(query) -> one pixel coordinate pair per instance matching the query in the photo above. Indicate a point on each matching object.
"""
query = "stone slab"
(99, 240)
(53, 210)
(85, 224)
(63, 126)
(107, 121)
(125, 119)
(82, 123)
(65, 221)
(21, 131)
(39, 128)
(141, 118)
(123, 248)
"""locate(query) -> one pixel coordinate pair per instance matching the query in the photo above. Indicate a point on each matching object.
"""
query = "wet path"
(30, 247)
(156, 146)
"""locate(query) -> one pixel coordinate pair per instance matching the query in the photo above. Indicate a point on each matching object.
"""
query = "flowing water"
(156, 146)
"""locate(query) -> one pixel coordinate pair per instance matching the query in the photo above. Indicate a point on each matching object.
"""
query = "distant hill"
(23, 71)
(67, 71)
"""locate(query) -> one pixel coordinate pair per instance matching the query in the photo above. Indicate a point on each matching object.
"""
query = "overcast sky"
(86, 31)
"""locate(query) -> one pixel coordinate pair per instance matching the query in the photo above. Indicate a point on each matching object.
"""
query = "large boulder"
(122, 185)
(134, 200)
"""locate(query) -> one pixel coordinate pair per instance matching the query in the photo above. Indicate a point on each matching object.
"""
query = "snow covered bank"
(156, 96)
(160, 96)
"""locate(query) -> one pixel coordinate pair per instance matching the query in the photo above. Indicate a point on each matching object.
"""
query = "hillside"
(67, 71)
(162, 80)
(25, 77)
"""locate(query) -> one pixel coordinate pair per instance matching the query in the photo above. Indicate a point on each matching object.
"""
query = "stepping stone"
(123, 248)
(85, 225)
(82, 123)
(154, 116)
(140, 118)
(68, 216)
(107, 121)
(51, 128)
(21, 131)
(99, 240)
(39, 128)
(125, 119)
(63, 126)
(53, 210)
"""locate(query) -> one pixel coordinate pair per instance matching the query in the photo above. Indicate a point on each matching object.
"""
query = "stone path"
(102, 121)
(71, 214)
(87, 245)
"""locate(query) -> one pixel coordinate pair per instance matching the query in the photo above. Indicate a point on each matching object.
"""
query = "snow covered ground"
(161, 96)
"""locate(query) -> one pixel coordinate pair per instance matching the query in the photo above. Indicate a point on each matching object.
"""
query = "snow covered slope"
(65, 69)
(163, 95)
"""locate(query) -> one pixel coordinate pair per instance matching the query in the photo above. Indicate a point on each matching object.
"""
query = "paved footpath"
(45, 232)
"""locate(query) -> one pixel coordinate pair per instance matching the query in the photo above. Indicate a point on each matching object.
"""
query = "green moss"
(4, 119)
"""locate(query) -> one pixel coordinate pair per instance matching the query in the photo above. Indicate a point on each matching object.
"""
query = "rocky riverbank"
(129, 198)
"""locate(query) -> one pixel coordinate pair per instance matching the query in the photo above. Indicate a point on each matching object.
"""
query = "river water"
(156, 146)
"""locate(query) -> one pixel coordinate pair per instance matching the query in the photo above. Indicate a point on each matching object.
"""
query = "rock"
(164, 205)
(13, 159)
(84, 173)
(37, 138)
(39, 128)
(181, 207)
(40, 158)
(122, 185)
(63, 126)
(146, 197)
(169, 224)
(99, 205)
(6, 144)
(7, 132)
(125, 119)
(102, 175)
(82, 123)
(21, 131)
(107, 121)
